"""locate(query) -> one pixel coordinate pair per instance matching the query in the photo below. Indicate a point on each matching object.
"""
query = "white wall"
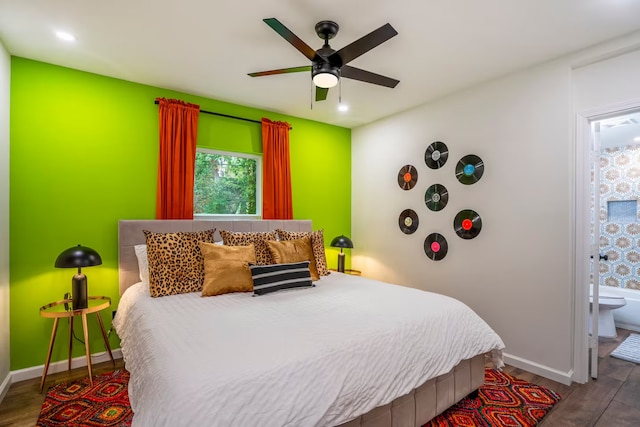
(608, 82)
(518, 273)
(5, 72)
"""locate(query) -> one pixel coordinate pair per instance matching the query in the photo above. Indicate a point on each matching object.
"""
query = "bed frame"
(411, 410)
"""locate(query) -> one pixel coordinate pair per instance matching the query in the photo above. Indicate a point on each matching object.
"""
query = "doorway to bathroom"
(614, 238)
(619, 191)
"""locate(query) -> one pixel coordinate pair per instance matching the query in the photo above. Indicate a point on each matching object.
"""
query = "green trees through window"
(226, 183)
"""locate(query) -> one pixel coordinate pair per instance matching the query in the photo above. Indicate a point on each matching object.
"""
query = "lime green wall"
(84, 155)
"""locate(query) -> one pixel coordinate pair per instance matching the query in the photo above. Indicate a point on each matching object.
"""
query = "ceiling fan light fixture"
(329, 66)
(325, 75)
(325, 80)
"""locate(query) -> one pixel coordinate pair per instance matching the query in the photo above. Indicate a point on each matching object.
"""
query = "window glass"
(227, 183)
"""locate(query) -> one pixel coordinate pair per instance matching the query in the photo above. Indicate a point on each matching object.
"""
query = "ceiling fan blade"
(367, 76)
(295, 41)
(321, 93)
(362, 45)
(281, 71)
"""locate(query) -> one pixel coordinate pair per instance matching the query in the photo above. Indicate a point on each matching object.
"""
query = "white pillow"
(143, 264)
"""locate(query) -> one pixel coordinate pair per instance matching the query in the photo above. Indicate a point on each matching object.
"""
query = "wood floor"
(612, 400)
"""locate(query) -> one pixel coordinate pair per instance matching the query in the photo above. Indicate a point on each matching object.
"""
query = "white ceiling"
(207, 47)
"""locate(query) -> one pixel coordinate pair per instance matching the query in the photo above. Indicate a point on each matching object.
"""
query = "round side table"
(61, 309)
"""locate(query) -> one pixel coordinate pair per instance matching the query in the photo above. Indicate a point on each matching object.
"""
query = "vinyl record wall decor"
(436, 155)
(435, 246)
(469, 169)
(436, 197)
(407, 177)
(467, 223)
(408, 221)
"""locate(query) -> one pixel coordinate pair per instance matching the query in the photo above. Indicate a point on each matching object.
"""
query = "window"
(227, 184)
(624, 211)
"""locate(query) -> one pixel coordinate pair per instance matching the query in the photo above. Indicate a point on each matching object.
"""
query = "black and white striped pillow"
(276, 277)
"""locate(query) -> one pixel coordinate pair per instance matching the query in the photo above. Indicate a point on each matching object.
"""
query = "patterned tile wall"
(620, 240)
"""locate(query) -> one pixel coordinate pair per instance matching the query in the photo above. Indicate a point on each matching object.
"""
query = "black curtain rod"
(226, 115)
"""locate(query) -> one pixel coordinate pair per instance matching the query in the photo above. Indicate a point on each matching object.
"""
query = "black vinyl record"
(407, 177)
(436, 155)
(408, 221)
(436, 197)
(435, 246)
(467, 224)
(469, 169)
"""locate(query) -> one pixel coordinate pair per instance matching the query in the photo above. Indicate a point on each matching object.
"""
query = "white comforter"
(308, 357)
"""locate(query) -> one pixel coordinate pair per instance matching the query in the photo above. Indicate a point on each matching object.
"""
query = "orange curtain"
(276, 171)
(178, 133)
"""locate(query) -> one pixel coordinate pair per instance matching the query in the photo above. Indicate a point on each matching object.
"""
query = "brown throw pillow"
(226, 268)
(175, 261)
(317, 244)
(289, 251)
(259, 240)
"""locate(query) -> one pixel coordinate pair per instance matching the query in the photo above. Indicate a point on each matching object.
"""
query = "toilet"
(607, 302)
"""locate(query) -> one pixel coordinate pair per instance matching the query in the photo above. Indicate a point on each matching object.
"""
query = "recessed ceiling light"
(65, 36)
(343, 107)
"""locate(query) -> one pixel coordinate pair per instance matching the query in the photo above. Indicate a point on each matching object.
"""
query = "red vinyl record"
(467, 224)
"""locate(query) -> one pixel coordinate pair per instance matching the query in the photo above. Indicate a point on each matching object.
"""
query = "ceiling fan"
(328, 65)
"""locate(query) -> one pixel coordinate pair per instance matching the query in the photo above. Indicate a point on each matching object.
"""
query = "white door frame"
(582, 238)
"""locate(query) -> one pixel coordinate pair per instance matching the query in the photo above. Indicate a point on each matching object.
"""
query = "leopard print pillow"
(176, 265)
(259, 240)
(317, 245)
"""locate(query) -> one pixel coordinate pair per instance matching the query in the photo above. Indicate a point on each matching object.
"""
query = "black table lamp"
(78, 257)
(341, 242)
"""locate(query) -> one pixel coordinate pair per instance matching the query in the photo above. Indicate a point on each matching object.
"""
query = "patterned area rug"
(503, 401)
(76, 404)
(629, 349)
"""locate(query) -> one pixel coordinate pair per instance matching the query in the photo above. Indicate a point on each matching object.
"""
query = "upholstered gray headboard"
(130, 234)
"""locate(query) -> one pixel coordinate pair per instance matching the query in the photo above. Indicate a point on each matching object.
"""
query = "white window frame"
(258, 214)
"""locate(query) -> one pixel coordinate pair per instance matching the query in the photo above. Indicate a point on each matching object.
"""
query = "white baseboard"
(4, 387)
(76, 362)
(545, 371)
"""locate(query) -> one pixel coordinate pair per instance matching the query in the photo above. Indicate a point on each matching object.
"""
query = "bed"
(350, 351)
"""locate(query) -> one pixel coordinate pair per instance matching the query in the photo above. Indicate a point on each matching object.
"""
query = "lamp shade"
(342, 242)
(325, 75)
(77, 257)
(325, 80)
